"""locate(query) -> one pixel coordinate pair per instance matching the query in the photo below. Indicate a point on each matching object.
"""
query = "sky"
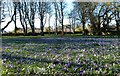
(37, 21)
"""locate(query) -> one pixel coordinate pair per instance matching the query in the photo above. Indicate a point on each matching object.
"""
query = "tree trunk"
(32, 17)
(118, 25)
(62, 18)
(56, 24)
(74, 25)
(84, 33)
(21, 19)
(8, 23)
(33, 28)
(26, 30)
(42, 27)
(49, 25)
(15, 18)
(99, 30)
(0, 18)
(56, 17)
(94, 29)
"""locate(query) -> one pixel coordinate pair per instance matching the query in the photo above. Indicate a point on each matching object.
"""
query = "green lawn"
(55, 54)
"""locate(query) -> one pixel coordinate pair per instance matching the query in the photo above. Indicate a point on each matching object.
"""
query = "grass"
(1, 67)
(55, 54)
(66, 35)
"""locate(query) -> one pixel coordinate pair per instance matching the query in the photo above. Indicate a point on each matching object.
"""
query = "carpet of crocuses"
(61, 55)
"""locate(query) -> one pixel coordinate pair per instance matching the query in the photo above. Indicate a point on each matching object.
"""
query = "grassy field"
(55, 54)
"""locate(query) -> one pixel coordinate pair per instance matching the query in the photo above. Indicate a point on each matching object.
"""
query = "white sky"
(37, 21)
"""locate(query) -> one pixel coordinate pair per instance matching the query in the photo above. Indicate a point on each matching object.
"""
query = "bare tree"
(27, 12)
(43, 8)
(13, 18)
(100, 14)
(32, 16)
(81, 8)
(15, 12)
(62, 17)
(107, 14)
(23, 14)
(61, 7)
(56, 16)
(50, 15)
(72, 17)
(117, 16)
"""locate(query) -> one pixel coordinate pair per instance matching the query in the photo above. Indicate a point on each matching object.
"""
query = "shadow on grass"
(12, 58)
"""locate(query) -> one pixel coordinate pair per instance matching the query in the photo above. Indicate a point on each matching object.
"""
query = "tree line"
(98, 15)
